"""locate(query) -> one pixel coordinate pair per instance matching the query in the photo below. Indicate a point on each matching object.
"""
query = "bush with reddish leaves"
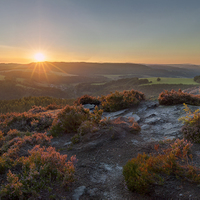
(53, 106)
(173, 98)
(31, 169)
(25, 121)
(86, 99)
(42, 168)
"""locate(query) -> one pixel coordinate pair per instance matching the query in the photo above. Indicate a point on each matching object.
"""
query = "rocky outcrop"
(102, 155)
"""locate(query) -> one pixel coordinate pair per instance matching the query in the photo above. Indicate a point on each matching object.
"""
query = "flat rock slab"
(113, 115)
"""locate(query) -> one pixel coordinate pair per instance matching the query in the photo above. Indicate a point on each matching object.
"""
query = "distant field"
(98, 83)
(185, 81)
(2, 77)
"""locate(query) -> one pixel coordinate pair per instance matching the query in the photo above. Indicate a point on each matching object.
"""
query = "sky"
(127, 31)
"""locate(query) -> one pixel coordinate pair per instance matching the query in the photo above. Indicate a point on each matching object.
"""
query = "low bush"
(53, 106)
(86, 99)
(42, 168)
(173, 97)
(87, 127)
(191, 128)
(120, 100)
(135, 127)
(25, 121)
(142, 172)
(71, 117)
(31, 169)
(37, 109)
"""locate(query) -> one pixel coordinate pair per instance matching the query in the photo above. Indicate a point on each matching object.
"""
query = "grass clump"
(173, 97)
(191, 128)
(71, 117)
(120, 100)
(144, 171)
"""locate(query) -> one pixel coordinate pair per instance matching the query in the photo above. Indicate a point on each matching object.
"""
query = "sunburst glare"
(39, 57)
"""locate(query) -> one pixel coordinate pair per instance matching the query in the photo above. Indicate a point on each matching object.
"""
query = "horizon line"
(101, 63)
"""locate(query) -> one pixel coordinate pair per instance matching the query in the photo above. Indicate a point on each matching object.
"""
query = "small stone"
(67, 143)
(153, 120)
(79, 192)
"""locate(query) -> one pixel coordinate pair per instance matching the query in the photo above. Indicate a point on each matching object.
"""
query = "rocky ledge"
(102, 155)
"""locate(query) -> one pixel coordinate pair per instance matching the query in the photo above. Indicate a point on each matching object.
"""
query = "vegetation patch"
(121, 100)
(173, 98)
(86, 99)
(191, 128)
(26, 103)
(25, 121)
(30, 168)
(164, 80)
(144, 171)
(71, 117)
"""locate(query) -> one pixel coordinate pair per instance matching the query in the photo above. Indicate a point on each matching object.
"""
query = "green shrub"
(173, 97)
(120, 100)
(158, 79)
(197, 79)
(87, 127)
(71, 117)
(191, 128)
(142, 172)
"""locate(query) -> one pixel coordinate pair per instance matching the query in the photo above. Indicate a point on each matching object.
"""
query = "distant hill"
(179, 70)
(86, 69)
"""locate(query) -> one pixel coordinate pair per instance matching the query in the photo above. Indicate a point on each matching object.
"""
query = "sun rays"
(45, 69)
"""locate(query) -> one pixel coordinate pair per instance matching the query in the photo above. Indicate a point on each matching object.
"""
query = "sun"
(39, 57)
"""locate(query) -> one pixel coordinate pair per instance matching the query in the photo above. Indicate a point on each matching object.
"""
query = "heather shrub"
(135, 127)
(12, 145)
(53, 106)
(25, 121)
(173, 97)
(86, 99)
(87, 127)
(37, 109)
(191, 128)
(71, 117)
(42, 168)
(120, 100)
(142, 172)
